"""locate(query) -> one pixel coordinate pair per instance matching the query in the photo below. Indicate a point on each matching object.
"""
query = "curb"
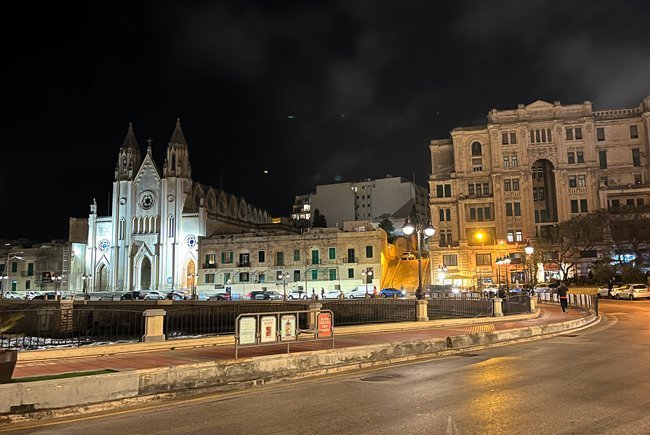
(21, 402)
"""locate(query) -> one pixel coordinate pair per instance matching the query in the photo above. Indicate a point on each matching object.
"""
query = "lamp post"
(57, 285)
(506, 260)
(421, 229)
(284, 277)
(529, 253)
(84, 279)
(367, 275)
(498, 262)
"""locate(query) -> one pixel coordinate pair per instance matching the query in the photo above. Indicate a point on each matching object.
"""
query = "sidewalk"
(345, 337)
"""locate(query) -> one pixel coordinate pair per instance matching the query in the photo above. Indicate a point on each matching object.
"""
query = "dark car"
(260, 295)
(132, 296)
(392, 292)
(177, 296)
(222, 297)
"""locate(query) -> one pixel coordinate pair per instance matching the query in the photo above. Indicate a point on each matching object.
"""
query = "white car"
(11, 295)
(298, 294)
(155, 296)
(631, 291)
(29, 295)
(331, 294)
(603, 292)
(360, 292)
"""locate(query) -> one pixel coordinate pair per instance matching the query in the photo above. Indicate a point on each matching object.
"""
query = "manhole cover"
(468, 354)
(377, 378)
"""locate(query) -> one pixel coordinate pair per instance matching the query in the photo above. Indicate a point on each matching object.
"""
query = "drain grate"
(377, 378)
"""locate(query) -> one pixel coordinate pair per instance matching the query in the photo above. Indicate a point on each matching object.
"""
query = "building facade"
(150, 239)
(30, 266)
(392, 198)
(494, 187)
(317, 258)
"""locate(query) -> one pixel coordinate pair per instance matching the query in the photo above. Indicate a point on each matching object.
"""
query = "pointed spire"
(149, 147)
(177, 136)
(130, 141)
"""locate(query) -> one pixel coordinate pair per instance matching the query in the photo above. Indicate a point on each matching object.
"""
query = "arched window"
(170, 225)
(122, 228)
(173, 163)
(476, 149)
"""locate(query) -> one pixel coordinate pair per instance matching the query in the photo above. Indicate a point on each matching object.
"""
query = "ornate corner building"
(493, 187)
(150, 240)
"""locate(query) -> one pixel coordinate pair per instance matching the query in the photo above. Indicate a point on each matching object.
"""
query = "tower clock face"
(146, 200)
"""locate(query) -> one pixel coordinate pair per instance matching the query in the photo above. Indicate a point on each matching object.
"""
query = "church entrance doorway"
(102, 278)
(145, 274)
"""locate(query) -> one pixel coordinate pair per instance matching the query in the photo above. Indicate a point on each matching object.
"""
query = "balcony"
(244, 264)
(316, 261)
(350, 259)
(209, 266)
(574, 190)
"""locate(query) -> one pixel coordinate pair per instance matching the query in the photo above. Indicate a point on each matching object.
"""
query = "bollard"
(421, 312)
(533, 304)
(153, 325)
(497, 306)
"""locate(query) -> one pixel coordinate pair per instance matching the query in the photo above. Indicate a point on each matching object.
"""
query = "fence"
(588, 302)
(54, 326)
(219, 318)
(458, 307)
(357, 312)
(516, 304)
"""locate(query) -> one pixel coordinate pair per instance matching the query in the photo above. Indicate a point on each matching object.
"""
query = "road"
(591, 381)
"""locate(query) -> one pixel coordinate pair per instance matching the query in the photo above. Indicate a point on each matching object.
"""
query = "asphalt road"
(587, 382)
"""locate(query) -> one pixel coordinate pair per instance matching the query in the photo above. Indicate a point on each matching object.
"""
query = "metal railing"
(516, 304)
(588, 302)
(218, 318)
(457, 307)
(371, 310)
(50, 326)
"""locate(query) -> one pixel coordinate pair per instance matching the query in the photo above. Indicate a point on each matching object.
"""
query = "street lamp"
(57, 285)
(442, 270)
(529, 252)
(284, 277)
(84, 279)
(422, 229)
(506, 260)
(367, 275)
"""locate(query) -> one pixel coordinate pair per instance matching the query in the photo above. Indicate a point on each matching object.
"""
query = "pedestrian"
(322, 293)
(562, 293)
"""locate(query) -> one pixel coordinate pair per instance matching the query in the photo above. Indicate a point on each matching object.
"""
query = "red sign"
(324, 325)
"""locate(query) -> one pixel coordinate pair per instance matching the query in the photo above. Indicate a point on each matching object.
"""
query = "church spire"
(177, 135)
(129, 158)
(177, 161)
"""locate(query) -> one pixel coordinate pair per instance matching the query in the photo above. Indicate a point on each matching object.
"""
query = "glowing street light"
(422, 229)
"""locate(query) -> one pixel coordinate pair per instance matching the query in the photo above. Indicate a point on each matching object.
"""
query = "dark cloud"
(314, 92)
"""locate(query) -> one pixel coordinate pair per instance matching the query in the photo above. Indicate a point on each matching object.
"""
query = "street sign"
(324, 322)
(268, 332)
(247, 330)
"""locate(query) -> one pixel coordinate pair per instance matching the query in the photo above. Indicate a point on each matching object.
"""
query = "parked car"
(155, 296)
(390, 292)
(134, 295)
(546, 287)
(265, 295)
(177, 296)
(222, 296)
(408, 256)
(603, 292)
(331, 294)
(361, 292)
(29, 295)
(298, 294)
(11, 295)
(631, 291)
(47, 296)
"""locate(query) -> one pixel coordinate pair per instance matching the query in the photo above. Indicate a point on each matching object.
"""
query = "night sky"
(313, 92)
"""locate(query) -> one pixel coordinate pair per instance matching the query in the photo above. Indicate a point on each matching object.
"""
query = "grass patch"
(63, 376)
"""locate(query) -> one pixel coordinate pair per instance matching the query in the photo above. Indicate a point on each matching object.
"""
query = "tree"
(630, 230)
(387, 225)
(319, 220)
(571, 240)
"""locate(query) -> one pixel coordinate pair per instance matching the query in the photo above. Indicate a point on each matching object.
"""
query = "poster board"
(247, 329)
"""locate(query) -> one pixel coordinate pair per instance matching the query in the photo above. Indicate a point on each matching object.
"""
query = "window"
(476, 149)
(513, 161)
(331, 253)
(350, 273)
(600, 133)
(639, 202)
(445, 237)
(226, 278)
(472, 214)
(439, 191)
(506, 161)
(578, 132)
(279, 258)
(582, 182)
(629, 202)
(226, 257)
(447, 190)
(450, 260)
(209, 278)
(448, 213)
(483, 259)
(535, 197)
(510, 236)
(507, 186)
(470, 189)
(486, 189)
(603, 181)
(574, 206)
(332, 273)
(580, 157)
(508, 209)
(261, 277)
(442, 215)
(478, 190)
(368, 251)
(513, 138)
(315, 256)
(261, 256)
(488, 213)
(210, 260)
(296, 255)
(479, 215)
(518, 236)
(569, 134)
(314, 275)
(445, 214)
(30, 269)
(638, 179)
(515, 184)
(477, 164)
(296, 275)
(634, 132)
(504, 138)
(572, 181)
(540, 173)
(636, 157)
(583, 206)
(28, 284)
(517, 207)
(602, 159)
(542, 216)
(571, 157)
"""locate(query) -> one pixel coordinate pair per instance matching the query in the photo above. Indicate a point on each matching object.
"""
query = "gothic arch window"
(134, 224)
(124, 164)
(476, 149)
(171, 225)
(173, 163)
(122, 228)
